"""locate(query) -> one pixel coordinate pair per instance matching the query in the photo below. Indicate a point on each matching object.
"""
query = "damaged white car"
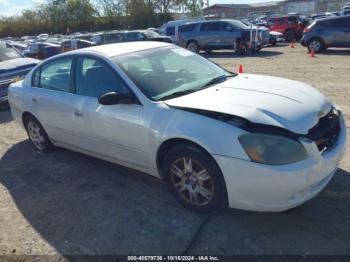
(217, 138)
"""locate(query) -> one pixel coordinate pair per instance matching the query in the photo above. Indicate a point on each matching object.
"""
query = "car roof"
(117, 49)
(331, 18)
(182, 22)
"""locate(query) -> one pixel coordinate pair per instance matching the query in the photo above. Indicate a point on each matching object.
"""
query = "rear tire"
(242, 47)
(37, 135)
(195, 179)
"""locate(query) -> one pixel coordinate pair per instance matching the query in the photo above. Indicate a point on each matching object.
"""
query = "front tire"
(193, 46)
(37, 135)
(195, 179)
(316, 44)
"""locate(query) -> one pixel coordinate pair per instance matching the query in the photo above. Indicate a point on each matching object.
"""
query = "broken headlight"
(272, 149)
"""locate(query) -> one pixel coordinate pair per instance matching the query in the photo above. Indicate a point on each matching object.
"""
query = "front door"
(114, 131)
(209, 37)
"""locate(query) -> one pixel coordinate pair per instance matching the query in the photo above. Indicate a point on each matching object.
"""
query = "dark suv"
(219, 34)
(13, 67)
(328, 32)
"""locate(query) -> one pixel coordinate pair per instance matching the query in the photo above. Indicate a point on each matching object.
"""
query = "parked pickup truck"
(13, 67)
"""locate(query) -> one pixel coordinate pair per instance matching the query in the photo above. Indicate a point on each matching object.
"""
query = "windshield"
(166, 72)
(7, 53)
(239, 24)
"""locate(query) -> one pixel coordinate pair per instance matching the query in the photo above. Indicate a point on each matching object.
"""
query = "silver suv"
(220, 34)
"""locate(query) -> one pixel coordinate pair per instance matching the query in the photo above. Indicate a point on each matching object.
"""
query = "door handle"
(78, 113)
(34, 100)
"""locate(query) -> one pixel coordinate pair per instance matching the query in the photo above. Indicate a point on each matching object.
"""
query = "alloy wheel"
(192, 181)
(192, 47)
(315, 45)
(36, 135)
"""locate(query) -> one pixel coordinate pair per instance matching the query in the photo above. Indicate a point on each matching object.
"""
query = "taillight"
(307, 29)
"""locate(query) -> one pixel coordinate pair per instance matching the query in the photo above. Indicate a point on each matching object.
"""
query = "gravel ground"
(67, 203)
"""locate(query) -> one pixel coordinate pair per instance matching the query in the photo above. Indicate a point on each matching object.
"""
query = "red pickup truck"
(290, 26)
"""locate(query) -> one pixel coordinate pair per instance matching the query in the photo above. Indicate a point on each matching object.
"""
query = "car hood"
(279, 102)
(17, 63)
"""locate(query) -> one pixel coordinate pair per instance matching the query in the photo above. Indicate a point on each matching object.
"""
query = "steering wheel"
(183, 76)
(183, 71)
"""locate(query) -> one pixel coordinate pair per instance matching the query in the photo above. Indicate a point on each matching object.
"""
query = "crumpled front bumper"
(258, 187)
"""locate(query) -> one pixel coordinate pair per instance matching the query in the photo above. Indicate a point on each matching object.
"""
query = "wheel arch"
(191, 40)
(316, 38)
(322, 42)
(25, 115)
(168, 144)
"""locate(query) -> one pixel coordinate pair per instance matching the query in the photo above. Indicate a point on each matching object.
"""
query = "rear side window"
(337, 23)
(170, 31)
(133, 36)
(292, 20)
(56, 75)
(187, 28)
(279, 21)
(210, 26)
(343, 22)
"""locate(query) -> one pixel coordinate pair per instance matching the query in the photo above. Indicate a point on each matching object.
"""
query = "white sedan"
(217, 138)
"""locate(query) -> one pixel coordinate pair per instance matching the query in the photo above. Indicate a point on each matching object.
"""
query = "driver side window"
(95, 78)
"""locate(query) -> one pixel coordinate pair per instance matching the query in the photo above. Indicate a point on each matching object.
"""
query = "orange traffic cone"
(240, 70)
(292, 45)
(312, 53)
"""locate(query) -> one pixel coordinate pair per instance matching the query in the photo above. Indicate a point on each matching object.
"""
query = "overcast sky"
(11, 7)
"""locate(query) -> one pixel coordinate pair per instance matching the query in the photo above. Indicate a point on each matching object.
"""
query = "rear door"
(209, 37)
(52, 100)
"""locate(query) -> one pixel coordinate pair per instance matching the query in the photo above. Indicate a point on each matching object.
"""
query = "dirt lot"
(67, 203)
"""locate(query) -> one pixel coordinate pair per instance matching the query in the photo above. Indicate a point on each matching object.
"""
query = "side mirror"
(113, 98)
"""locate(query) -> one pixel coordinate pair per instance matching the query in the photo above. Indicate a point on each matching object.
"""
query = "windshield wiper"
(179, 93)
(217, 80)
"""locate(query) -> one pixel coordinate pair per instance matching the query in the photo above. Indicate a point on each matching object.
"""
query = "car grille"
(7, 79)
(11, 75)
(325, 134)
